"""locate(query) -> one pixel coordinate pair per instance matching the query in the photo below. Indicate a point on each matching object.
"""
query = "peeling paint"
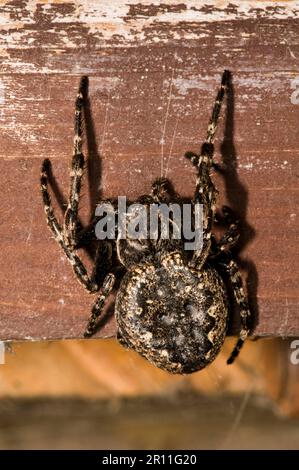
(128, 21)
(104, 84)
(183, 85)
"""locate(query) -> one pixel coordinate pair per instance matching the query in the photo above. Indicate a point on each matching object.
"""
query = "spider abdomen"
(174, 317)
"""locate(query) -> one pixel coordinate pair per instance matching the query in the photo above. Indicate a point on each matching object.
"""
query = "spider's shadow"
(94, 161)
(237, 198)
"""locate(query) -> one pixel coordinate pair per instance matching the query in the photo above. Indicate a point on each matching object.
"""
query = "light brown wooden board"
(186, 421)
(154, 72)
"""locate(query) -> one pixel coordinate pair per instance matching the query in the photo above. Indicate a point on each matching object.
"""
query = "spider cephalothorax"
(171, 305)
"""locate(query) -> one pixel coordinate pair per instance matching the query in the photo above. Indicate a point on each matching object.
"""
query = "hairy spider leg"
(160, 189)
(205, 191)
(78, 267)
(241, 299)
(231, 237)
(67, 237)
(97, 308)
(77, 167)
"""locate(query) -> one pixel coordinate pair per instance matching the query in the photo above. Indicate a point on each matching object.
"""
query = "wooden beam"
(154, 70)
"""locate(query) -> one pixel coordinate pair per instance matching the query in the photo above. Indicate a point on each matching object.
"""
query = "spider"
(172, 307)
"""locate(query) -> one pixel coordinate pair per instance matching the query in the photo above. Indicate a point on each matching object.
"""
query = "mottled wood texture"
(154, 70)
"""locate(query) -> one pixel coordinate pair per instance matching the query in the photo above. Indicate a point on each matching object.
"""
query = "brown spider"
(171, 307)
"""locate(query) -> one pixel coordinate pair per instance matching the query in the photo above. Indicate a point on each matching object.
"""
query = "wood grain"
(153, 71)
(185, 421)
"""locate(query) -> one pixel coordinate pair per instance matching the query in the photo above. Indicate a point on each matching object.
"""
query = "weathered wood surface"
(154, 71)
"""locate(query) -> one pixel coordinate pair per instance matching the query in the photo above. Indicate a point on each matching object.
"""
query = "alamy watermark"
(294, 356)
(2, 352)
(295, 93)
(153, 221)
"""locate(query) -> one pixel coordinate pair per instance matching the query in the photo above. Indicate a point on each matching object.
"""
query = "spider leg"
(231, 237)
(71, 214)
(78, 267)
(160, 189)
(67, 237)
(48, 208)
(232, 269)
(205, 191)
(97, 308)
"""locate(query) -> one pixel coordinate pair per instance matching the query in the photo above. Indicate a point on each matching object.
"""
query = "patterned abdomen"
(172, 316)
